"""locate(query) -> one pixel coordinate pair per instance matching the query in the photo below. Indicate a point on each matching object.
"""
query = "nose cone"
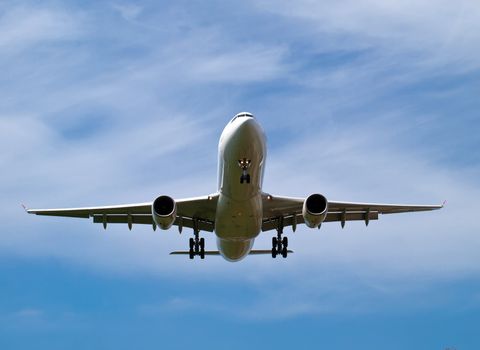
(247, 127)
(243, 118)
(234, 250)
(241, 132)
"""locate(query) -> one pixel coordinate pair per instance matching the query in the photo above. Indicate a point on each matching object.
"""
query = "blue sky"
(116, 102)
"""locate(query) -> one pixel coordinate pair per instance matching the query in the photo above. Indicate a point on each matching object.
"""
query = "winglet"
(24, 208)
(444, 202)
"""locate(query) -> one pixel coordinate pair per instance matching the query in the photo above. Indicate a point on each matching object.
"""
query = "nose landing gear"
(244, 164)
(245, 178)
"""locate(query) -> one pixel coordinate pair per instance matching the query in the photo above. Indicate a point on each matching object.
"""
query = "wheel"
(241, 179)
(248, 179)
(191, 253)
(285, 242)
(202, 248)
(284, 252)
(279, 246)
(274, 253)
(274, 242)
(191, 243)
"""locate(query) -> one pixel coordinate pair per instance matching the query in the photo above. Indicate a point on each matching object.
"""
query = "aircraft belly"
(238, 219)
(234, 250)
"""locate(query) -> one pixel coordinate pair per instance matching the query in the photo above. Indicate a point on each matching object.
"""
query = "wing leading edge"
(287, 211)
(199, 211)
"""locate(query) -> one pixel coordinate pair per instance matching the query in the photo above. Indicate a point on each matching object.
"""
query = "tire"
(285, 242)
(274, 242)
(274, 253)
(284, 252)
(202, 248)
(279, 246)
(191, 243)
(191, 254)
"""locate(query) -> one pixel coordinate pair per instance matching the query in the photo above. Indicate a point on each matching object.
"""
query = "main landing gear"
(197, 246)
(279, 244)
(244, 164)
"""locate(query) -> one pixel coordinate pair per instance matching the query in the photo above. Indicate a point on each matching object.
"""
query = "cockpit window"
(242, 114)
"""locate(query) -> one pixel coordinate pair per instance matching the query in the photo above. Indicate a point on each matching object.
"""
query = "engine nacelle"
(164, 211)
(314, 210)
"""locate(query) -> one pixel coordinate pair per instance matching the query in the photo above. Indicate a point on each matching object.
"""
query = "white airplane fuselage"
(239, 209)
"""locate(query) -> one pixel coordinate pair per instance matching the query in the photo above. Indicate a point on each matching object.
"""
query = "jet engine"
(164, 211)
(315, 210)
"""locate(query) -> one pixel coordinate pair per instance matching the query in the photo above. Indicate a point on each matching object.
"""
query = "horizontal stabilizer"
(216, 252)
(264, 252)
(186, 252)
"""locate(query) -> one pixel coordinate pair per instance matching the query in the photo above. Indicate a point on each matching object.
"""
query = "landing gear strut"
(244, 164)
(279, 244)
(196, 245)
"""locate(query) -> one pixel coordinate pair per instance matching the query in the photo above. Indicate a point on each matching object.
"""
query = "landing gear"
(279, 247)
(279, 244)
(245, 178)
(244, 164)
(196, 245)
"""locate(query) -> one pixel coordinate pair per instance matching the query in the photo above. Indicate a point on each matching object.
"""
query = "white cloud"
(440, 32)
(250, 64)
(128, 11)
(21, 27)
(206, 56)
(28, 313)
(32, 318)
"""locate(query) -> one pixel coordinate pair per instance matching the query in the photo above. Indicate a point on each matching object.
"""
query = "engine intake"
(315, 209)
(164, 211)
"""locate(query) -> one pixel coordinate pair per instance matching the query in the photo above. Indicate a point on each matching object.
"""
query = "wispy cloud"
(23, 26)
(251, 64)
(440, 30)
(37, 319)
(128, 11)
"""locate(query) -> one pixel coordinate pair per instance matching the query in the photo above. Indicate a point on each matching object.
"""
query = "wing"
(287, 211)
(198, 211)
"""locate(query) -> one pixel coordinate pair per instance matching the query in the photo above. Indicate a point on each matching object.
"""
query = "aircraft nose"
(247, 125)
(248, 133)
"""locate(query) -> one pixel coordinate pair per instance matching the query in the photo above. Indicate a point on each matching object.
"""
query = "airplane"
(239, 210)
